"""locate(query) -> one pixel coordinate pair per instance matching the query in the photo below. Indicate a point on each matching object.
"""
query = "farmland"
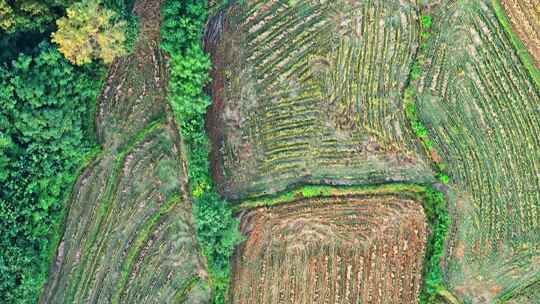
(524, 16)
(311, 92)
(129, 234)
(338, 250)
(480, 104)
(271, 151)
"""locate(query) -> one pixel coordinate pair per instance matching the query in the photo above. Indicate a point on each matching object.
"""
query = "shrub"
(89, 32)
(426, 21)
(437, 216)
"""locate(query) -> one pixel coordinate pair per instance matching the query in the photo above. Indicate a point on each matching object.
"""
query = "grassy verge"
(311, 191)
(519, 46)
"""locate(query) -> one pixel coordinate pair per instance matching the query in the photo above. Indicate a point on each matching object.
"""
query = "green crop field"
(482, 109)
(311, 92)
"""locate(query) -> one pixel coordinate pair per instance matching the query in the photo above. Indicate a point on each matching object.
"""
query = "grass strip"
(520, 48)
(318, 191)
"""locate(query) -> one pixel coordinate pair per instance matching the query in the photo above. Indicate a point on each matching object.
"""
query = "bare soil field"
(332, 250)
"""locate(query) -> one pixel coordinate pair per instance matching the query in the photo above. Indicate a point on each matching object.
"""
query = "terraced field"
(525, 18)
(481, 107)
(311, 145)
(349, 249)
(129, 234)
(311, 92)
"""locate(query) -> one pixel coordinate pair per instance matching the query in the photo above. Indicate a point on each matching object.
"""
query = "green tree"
(30, 15)
(90, 31)
(43, 100)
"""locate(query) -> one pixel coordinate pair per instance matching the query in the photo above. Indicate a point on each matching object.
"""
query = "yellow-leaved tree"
(29, 15)
(89, 31)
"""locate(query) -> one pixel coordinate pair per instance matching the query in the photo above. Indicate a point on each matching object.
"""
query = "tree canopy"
(43, 100)
(30, 15)
(90, 31)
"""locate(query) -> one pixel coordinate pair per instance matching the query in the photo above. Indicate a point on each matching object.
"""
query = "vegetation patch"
(44, 102)
(217, 230)
(129, 235)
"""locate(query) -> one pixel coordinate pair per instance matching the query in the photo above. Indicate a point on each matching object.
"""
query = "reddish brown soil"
(348, 250)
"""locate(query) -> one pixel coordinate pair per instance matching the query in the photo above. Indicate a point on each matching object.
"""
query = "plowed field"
(332, 250)
(311, 92)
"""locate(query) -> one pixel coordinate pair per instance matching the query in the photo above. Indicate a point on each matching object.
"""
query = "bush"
(426, 21)
(43, 100)
(88, 32)
(437, 216)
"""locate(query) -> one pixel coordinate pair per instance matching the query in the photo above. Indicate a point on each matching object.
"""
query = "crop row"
(320, 99)
(479, 104)
(335, 250)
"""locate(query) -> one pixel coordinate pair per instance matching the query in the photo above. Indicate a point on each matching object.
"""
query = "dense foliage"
(30, 15)
(217, 230)
(90, 31)
(43, 103)
(439, 220)
(26, 23)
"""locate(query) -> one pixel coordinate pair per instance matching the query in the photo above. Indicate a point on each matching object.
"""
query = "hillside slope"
(129, 234)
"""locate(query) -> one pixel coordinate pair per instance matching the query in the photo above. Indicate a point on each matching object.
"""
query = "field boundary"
(433, 289)
(520, 48)
(318, 191)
